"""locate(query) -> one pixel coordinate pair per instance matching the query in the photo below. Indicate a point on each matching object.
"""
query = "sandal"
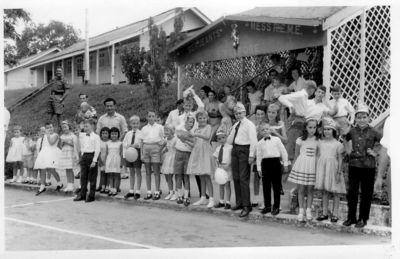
(322, 217)
(334, 219)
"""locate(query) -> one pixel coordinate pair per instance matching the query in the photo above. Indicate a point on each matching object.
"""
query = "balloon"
(131, 154)
(221, 176)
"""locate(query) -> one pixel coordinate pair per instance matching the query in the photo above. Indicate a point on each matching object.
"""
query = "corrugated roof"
(304, 12)
(106, 37)
(27, 60)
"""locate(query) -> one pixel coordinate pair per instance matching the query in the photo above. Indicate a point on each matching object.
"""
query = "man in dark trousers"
(89, 143)
(243, 138)
(58, 91)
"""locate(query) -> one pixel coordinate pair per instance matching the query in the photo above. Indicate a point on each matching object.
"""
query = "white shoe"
(300, 217)
(13, 180)
(211, 203)
(19, 179)
(202, 201)
(309, 214)
(174, 197)
(169, 196)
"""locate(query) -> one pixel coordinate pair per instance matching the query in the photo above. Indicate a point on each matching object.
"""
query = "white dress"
(113, 160)
(168, 162)
(16, 150)
(303, 171)
(49, 156)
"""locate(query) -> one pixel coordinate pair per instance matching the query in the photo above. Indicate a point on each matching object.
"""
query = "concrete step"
(285, 217)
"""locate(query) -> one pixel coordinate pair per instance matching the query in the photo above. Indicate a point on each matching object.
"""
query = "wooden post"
(361, 94)
(97, 66)
(326, 77)
(52, 70)
(44, 75)
(72, 70)
(179, 89)
(112, 64)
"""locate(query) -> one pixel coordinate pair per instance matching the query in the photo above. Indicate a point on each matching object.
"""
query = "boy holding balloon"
(223, 174)
(131, 154)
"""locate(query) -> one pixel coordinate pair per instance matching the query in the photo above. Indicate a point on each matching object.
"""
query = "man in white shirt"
(270, 151)
(152, 139)
(173, 116)
(243, 138)
(89, 143)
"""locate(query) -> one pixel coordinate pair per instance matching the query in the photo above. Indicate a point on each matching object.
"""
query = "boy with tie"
(132, 140)
(89, 143)
(223, 155)
(243, 138)
(269, 152)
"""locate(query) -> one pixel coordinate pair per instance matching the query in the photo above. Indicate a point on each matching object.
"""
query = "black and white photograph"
(176, 129)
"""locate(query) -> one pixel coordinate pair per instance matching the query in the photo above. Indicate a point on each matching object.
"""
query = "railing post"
(326, 77)
(362, 59)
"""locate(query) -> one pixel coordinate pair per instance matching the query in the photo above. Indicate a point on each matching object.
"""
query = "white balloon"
(131, 154)
(221, 176)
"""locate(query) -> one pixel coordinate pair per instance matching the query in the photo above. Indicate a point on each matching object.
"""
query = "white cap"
(240, 107)
(362, 108)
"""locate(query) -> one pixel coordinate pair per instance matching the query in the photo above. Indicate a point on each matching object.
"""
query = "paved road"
(59, 223)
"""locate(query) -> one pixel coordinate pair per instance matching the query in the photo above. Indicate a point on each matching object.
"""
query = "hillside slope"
(131, 99)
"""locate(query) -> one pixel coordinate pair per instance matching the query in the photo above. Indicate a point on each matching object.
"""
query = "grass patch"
(12, 96)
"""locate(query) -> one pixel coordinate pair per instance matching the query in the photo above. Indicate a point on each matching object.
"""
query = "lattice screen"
(233, 72)
(346, 59)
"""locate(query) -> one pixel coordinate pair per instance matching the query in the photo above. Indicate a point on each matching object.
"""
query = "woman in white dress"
(48, 158)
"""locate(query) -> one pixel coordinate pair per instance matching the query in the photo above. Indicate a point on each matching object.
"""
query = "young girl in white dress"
(329, 178)
(104, 139)
(69, 154)
(303, 170)
(15, 154)
(201, 161)
(113, 160)
(48, 158)
(168, 162)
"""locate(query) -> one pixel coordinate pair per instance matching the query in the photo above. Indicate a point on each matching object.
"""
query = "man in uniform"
(58, 91)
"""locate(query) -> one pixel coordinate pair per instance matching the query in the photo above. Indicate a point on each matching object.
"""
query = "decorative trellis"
(233, 72)
(360, 59)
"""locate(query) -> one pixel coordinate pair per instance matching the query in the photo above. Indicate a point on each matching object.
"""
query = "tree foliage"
(37, 38)
(132, 60)
(11, 18)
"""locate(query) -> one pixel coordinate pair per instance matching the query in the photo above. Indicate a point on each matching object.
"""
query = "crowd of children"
(292, 133)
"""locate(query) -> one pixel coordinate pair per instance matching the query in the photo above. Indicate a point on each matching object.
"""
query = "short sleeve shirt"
(362, 140)
(59, 86)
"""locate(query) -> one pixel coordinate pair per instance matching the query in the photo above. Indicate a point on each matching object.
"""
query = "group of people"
(289, 133)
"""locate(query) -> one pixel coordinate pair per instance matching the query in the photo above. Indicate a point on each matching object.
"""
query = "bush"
(132, 59)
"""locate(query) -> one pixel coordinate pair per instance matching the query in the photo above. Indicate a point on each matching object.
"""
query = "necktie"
(133, 138)
(221, 153)
(41, 143)
(236, 131)
(266, 138)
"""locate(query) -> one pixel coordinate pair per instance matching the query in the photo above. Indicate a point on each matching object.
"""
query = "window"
(79, 63)
(92, 62)
(104, 59)
(68, 68)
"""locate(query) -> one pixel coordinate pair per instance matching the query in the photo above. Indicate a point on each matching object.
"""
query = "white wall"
(17, 79)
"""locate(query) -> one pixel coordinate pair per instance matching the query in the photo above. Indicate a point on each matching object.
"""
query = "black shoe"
(186, 202)
(237, 207)
(349, 222)
(137, 196)
(275, 212)
(254, 205)
(89, 199)
(79, 198)
(219, 205)
(227, 206)
(265, 210)
(58, 188)
(322, 217)
(98, 189)
(179, 200)
(129, 195)
(207, 197)
(102, 191)
(148, 197)
(40, 191)
(78, 175)
(47, 184)
(156, 196)
(77, 190)
(361, 223)
(334, 219)
(110, 194)
(118, 190)
(245, 212)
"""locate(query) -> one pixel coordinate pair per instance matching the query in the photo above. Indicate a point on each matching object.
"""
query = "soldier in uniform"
(58, 91)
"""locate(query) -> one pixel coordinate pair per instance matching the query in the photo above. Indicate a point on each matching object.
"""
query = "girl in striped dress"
(69, 154)
(303, 170)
